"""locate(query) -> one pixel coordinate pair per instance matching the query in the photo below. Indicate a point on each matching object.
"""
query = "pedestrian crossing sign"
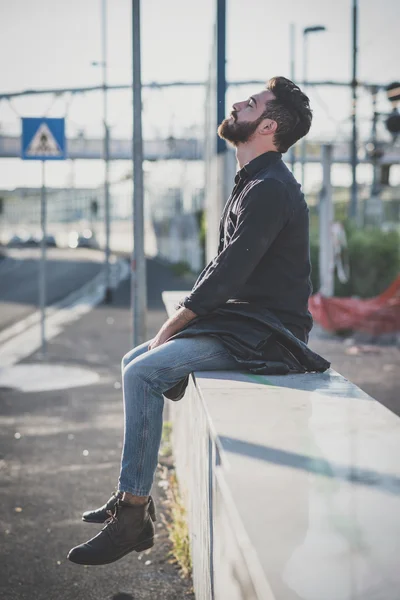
(43, 139)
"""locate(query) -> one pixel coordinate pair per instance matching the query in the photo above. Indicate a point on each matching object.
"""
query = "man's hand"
(176, 323)
(161, 338)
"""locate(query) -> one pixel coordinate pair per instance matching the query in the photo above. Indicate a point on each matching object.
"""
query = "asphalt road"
(66, 271)
(68, 461)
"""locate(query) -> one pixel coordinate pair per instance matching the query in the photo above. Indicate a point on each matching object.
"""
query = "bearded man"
(247, 310)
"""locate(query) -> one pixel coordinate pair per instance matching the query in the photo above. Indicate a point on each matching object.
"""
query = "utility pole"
(354, 158)
(306, 32)
(221, 75)
(222, 184)
(373, 204)
(108, 292)
(292, 77)
(138, 272)
(216, 151)
(303, 147)
(326, 256)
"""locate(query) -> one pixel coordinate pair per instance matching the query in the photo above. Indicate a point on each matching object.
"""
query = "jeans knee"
(130, 369)
(138, 372)
(133, 355)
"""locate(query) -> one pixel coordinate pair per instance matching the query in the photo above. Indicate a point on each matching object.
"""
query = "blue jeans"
(146, 374)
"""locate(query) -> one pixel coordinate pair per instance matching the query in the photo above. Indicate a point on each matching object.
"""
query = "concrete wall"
(192, 457)
(291, 484)
(225, 566)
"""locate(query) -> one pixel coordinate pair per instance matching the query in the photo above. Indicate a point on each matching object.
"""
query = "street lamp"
(306, 31)
(138, 267)
(106, 152)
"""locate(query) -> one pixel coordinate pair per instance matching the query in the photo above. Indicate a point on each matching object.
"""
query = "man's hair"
(290, 109)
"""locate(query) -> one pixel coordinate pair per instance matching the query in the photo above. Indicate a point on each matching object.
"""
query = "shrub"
(181, 268)
(201, 220)
(314, 257)
(374, 257)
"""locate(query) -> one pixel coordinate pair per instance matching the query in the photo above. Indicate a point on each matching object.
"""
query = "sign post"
(42, 264)
(43, 139)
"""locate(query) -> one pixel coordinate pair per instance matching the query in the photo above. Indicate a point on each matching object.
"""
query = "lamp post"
(106, 152)
(306, 32)
(138, 272)
(292, 41)
(353, 206)
(108, 293)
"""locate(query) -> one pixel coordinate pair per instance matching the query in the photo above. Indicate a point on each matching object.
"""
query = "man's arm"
(261, 218)
(176, 323)
(263, 213)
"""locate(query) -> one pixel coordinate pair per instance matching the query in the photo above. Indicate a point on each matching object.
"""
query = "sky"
(47, 44)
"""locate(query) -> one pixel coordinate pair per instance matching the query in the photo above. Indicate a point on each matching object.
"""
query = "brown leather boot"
(130, 528)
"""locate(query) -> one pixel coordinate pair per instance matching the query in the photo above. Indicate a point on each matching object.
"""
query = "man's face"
(245, 118)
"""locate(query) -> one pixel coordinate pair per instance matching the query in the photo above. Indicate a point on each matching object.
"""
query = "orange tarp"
(375, 315)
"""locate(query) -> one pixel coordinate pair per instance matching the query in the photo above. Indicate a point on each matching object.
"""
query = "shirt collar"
(257, 164)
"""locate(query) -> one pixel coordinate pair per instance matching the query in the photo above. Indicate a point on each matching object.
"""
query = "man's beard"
(238, 133)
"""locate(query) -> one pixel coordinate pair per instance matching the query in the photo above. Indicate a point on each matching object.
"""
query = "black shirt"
(263, 254)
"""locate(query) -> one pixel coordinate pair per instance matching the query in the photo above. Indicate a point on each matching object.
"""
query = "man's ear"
(268, 127)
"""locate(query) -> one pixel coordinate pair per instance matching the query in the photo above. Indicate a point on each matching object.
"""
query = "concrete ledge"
(292, 485)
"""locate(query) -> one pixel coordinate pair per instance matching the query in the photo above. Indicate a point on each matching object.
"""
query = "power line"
(170, 84)
(11, 105)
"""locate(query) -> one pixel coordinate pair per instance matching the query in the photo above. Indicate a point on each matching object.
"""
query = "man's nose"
(237, 106)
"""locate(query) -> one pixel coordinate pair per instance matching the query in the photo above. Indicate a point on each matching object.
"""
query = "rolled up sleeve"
(262, 214)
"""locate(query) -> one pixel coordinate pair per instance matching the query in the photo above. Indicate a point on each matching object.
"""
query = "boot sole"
(145, 545)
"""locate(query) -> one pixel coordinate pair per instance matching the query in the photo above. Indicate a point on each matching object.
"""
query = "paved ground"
(59, 455)
(374, 368)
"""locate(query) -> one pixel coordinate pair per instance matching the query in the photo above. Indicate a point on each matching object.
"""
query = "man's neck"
(245, 153)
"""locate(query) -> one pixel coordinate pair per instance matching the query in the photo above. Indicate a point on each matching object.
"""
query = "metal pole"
(221, 72)
(303, 141)
(223, 185)
(138, 273)
(218, 168)
(292, 77)
(42, 263)
(374, 204)
(326, 257)
(354, 158)
(108, 292)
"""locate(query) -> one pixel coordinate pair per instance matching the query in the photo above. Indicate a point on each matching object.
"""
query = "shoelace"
(113, 516)
(112, 519)
(111, 501)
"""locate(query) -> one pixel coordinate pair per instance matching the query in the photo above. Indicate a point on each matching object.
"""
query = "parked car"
(23, 240)
(50, 241)
(84, 239)
(30, 241)
(15, 241)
